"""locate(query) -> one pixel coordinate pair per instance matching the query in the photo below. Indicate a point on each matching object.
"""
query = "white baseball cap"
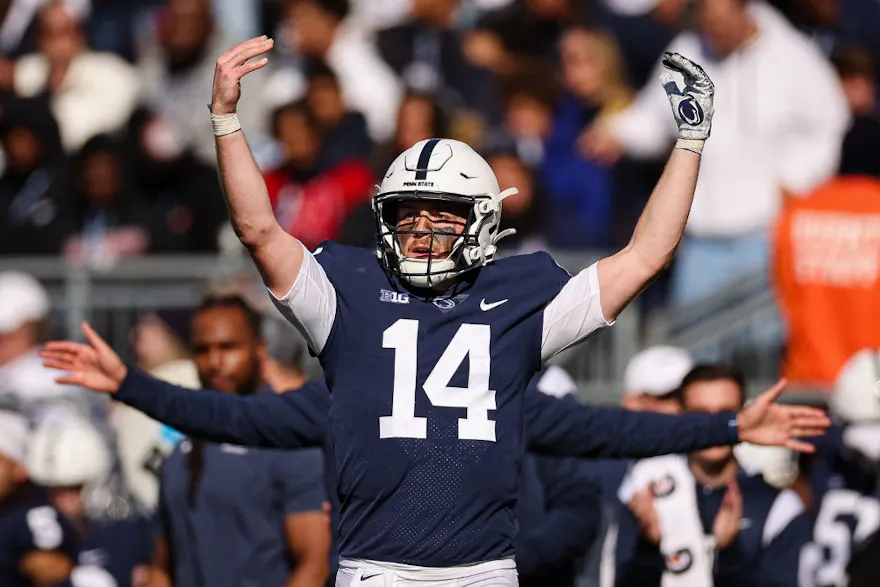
(22, 300)
(656, 371)
(14, 435)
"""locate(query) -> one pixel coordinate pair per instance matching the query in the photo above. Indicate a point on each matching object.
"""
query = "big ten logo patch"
(393, 297)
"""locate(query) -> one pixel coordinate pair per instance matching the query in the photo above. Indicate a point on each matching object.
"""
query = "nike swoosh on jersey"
(486, 307)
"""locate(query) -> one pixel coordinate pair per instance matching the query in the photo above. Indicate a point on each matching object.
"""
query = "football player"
(71, 459)
(37, 547)
(843, 476)
(428, 346)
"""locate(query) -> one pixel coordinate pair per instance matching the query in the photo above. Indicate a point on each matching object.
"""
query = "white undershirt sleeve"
(574, 314)
(310, 304)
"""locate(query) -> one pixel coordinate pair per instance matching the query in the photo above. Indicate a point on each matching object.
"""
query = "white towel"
(688, 552)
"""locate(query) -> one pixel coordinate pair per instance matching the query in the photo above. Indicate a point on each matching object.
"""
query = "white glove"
(692, 106)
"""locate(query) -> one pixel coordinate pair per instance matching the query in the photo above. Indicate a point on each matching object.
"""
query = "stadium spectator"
(182, 190)
(111, 221)
(833, 23)
(528, 28)
(525, 211)
(559, 506)
(34, 197)
(426, 52)
(856, 68)
(826, 272)
(344, 131)
(91, 92)
(177, 69)
(582, 188)
(311, 202)
(321, 30)
(209, 490)
(781, 140)
(72, 460)
(527, 97)
(24, 383)
(674, 503)
(36, 545)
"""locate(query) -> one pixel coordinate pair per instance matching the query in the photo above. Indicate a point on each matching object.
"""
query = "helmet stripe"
(424, 157)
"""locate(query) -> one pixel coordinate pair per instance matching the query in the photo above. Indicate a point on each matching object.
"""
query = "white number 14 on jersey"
(471, 340)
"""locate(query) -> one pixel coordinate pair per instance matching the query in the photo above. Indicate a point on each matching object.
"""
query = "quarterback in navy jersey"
(428, 345)
(71, 459)
(36, 545)
(843, 476)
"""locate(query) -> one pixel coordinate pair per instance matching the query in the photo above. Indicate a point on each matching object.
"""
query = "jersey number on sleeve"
(471, 340)
(44, 527)
(832, 535)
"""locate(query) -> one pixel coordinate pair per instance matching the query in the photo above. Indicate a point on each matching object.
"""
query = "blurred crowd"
(108, 151)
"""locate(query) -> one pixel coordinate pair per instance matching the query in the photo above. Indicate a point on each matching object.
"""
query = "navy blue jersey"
(426, 405)
(773, 529)
(846, 511)
(224, 518)
(29, 523)
(110, 550)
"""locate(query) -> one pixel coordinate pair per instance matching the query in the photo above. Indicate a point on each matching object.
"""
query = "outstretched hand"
(767, 423)
(234, 65)
(93, 365)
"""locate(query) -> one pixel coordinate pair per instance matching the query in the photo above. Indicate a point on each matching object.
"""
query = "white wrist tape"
(694, 145)
(225, 124)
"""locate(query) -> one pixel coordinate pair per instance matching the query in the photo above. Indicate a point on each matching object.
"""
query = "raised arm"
(580, 309)
(292, 275)
(564, 428)
(660, 228)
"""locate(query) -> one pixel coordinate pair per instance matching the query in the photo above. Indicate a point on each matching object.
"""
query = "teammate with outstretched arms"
(428, 347)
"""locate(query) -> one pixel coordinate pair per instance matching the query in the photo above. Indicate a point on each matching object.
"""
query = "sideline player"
(37, 547)
(69, 457)
(421, 344)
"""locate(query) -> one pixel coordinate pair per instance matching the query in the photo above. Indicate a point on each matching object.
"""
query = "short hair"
(338, 9)
(439, 117)
(234, 302)
(299, 108)
(852, 60)
(708, 372)
(318, 69)
(532, 79)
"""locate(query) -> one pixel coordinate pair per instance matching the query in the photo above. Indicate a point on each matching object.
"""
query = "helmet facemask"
(473, 247)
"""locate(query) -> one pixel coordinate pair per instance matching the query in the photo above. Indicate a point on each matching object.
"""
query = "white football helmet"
(856, 396)
(68, 452)
(449, 171)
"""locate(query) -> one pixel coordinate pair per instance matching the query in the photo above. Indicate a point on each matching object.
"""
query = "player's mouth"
(421, 252)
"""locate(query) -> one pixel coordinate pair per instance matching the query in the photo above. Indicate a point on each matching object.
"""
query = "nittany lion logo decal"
(663, 486)
(680, 561)
(690, 111)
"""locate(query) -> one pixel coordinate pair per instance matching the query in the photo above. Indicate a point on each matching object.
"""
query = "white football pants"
(363, 573)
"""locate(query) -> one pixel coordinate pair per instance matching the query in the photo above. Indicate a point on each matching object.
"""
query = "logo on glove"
(690, 111)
